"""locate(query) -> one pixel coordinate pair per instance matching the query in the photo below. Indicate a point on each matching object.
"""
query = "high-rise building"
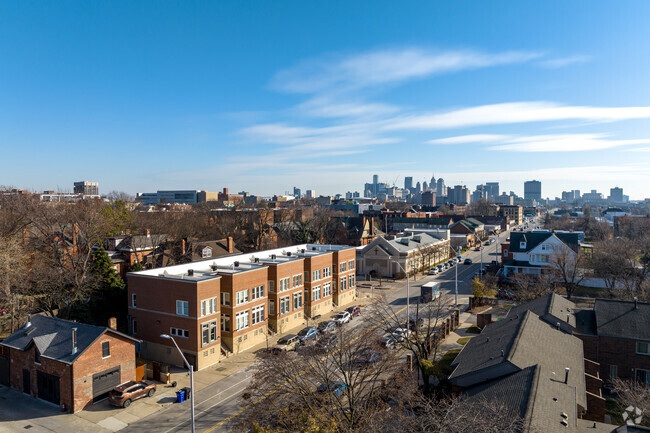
(408, 183)
(433, 182)
(533, 190)
(375, 179)
(616, 195)
(418, 187)
(429, 198)
(492, 190)
(310, 194)
(459, 194)
(297, 193)
(86, 188)
(441, 189)
(425, 186)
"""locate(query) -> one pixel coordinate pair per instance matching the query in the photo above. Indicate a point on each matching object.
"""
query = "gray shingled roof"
(550, 304)
(53, 337)
(406, 244)
(621, 319)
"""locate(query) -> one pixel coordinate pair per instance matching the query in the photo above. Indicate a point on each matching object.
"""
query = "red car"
(354, 311)
(122, 395)
(478, 249)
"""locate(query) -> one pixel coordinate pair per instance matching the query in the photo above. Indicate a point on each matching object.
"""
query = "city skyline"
(204, 96)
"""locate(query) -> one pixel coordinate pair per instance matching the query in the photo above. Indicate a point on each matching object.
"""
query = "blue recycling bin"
(180, 396)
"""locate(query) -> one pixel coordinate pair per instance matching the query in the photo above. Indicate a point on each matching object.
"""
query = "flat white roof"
(203, 267)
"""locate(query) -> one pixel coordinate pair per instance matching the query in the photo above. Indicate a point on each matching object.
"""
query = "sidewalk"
(28, 413)
(451, 342)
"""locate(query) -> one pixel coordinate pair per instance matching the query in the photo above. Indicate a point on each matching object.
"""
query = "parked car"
(327, 326)
(307, 334)
(459, 258)
(341, 318)
(388, 342)
(122, 395)
(354, 310)
(440, 268)
(326, 342)
(286, 343)
(367, 357)
(468, 261)
(505, 294)
(400, 334)
(336, 388)
(434, 271)
(451, 263)
(479, 248)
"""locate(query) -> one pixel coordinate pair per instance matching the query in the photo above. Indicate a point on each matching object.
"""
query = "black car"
(468, 261)
(415, 322)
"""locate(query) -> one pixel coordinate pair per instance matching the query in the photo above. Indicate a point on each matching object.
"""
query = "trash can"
(180, 395)
(187, 392)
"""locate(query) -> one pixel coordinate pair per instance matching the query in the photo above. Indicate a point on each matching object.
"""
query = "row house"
(230, 304)
(537, 252)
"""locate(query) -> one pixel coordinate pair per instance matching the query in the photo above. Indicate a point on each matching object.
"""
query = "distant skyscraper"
(433, 182)
(297, 193)
(616, 195)
(533, 190)
(441, 189)
(375, 179)
(428, 198)
(425, 186)
(418, 187)
(459, 194)
(408, 183)
(310, 194)
(86, 188)
(492, 190)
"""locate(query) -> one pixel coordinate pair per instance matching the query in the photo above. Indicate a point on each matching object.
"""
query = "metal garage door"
(4, 370)
(105, 381)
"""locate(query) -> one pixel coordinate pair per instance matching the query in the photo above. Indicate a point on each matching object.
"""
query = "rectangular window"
(225, 298)
(316, 275)
(257, 292)
(271, 307)
(327, 272)
(351, 264)
(297, 300)
(343, 284)
(225, 322)
(643, 377)
(209, 332)
(297, 280)
(613, 372)
(106, 349)
(241, 297)
(327, 290)
(175, 332)
(342, 267)
(315, 294)
(135, 327)
(285, 284)
(133, 304)
(203, 311)
(271, 286)
(241, 320)
(257, 314)
(350, 281)
(285, 304)
(214, 305)
(642, 348)
(182, 308)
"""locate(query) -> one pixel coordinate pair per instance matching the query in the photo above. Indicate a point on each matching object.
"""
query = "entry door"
(48, 387)
(27, 385)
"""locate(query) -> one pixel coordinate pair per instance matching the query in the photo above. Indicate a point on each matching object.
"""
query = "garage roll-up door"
(105, 381)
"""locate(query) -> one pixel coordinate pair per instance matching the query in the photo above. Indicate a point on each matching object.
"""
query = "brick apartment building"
(66, 363)
(227, 305)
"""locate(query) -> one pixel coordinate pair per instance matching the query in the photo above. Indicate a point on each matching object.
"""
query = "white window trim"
(183, 303)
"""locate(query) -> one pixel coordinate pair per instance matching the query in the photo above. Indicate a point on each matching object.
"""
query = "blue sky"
(263, 96)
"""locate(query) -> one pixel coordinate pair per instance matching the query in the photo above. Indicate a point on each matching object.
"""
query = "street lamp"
(408, 293)
(456, 279)
(189, 367)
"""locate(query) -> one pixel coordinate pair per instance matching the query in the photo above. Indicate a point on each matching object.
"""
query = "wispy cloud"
(471, 138)
(515, 112)
(386, 66)
(543, 143)
(561, 62)
(328, 107)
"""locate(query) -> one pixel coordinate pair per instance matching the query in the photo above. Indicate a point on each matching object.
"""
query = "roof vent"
(214, 267)
(564, 415)
(502, 353)
(273, 256)
(564, 423)
(190, 272)
(313, 248)
(288, 253)
(236, 264)
(557, 325)
(256, 260)
(303, 250)
(635, 303)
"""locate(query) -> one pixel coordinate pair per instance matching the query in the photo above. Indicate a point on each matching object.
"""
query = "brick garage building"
(616, 334)
(67, 363)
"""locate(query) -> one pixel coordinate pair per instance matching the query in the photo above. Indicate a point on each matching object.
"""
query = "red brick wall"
(20, 360)
(241, 281)
(312, 264)
(622, 353)
(91, 362)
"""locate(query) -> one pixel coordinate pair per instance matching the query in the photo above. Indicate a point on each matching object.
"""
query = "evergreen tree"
(103, 270)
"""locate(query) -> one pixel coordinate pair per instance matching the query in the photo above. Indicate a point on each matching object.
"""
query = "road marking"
(243, 409)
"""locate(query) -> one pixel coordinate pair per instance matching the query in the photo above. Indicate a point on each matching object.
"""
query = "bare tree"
(13, 268)
(635, 395)
(567, 267)
(527, 287)
(423, 338)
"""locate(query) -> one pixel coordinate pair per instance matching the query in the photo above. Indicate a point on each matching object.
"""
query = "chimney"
(635, 303)
(229, 244)
(147, 232)
(74, 341)
(190, 272)
(183, 246)
(75, 234)
(112, 323)
(566, 375)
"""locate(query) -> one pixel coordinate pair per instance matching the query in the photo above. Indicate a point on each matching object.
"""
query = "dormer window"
(522, 245)
(206, 252)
